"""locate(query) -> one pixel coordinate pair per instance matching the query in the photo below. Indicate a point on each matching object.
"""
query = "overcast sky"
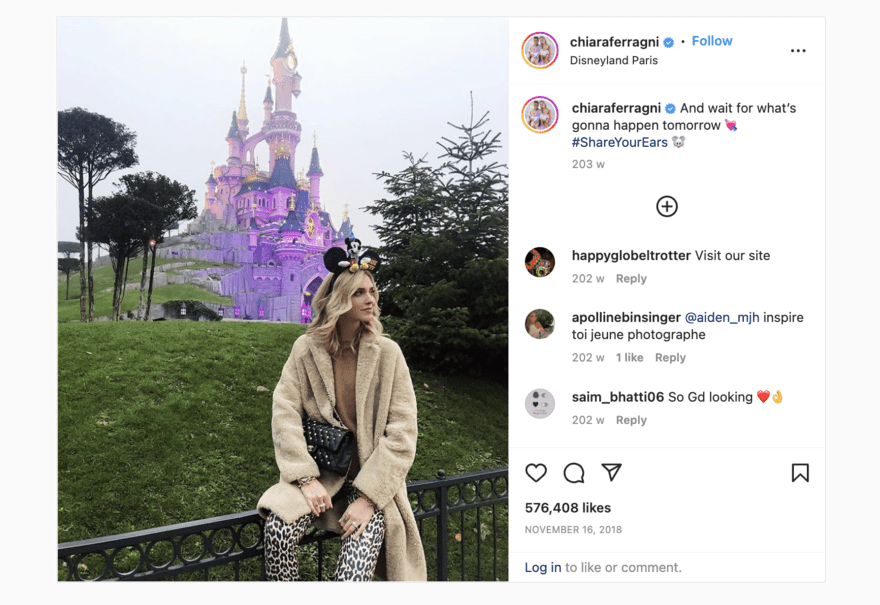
(371, 89)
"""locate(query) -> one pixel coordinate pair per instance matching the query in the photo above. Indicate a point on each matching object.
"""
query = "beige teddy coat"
(386, 436)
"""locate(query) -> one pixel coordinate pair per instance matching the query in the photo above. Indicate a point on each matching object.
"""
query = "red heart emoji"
(763, 395)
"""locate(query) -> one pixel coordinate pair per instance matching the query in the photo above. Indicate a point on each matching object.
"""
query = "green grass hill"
(68, 309)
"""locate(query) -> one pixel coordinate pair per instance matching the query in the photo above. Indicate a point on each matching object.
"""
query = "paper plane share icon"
(612, 469)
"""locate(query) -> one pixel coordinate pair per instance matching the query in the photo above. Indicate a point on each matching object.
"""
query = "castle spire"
(233, 130)
(242, 110)
(315, 173)
(268, 97)
(315, 164)
(283, 41)
(286, 77)
(211, 193)
(268, 103)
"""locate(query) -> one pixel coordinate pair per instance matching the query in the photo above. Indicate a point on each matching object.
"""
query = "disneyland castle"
(271, 224)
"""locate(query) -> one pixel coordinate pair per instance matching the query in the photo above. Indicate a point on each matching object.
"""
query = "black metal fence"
(462, 521)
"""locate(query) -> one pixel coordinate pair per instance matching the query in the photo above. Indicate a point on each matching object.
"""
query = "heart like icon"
(763, 395)
(731, 125)
(536, 472)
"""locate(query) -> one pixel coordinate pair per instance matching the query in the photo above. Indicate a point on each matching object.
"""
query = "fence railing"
(464, 513)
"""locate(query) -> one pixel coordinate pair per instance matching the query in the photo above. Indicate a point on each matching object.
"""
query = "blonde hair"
(328, 310)
(530, 323)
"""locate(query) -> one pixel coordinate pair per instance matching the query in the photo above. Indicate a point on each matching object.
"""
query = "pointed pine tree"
(444, 234)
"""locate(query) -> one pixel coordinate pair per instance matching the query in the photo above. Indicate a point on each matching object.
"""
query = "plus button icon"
(667, 206)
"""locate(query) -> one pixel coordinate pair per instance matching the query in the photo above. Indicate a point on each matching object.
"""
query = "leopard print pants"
(357, 558)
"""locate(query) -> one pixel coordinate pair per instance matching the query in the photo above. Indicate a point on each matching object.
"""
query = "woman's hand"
(316, 497)
(356, 517)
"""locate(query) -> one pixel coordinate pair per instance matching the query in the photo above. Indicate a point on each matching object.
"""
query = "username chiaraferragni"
(612, 42)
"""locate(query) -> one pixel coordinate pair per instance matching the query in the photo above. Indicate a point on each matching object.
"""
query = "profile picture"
(539, 323)
(540, 114)
(540, 50)
(540, 403)
(540, 262)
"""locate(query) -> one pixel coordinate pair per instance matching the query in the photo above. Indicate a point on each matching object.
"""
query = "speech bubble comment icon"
(574, 473)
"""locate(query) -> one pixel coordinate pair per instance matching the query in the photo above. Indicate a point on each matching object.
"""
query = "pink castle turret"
(284, 65)
(283, 128)
(233, 138)
(315, 173)
(211, 197)
(267, 106)
(253, 234)
(242, 110)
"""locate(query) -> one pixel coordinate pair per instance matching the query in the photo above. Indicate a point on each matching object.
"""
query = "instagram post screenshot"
(461, 301)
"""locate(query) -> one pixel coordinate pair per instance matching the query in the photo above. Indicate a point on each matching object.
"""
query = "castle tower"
(233, 138)
(282, 128)
(284, 65)
(242, 110)
(211, 196)
(229, 180)
(253, 233)
(267, 105)
(315, 173)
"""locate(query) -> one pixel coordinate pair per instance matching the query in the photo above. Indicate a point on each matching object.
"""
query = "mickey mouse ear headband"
(353, 259)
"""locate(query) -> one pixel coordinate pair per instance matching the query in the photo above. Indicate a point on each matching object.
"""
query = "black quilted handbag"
(331, 447)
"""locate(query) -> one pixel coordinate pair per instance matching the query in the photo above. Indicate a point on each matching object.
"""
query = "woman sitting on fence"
(342, 372)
